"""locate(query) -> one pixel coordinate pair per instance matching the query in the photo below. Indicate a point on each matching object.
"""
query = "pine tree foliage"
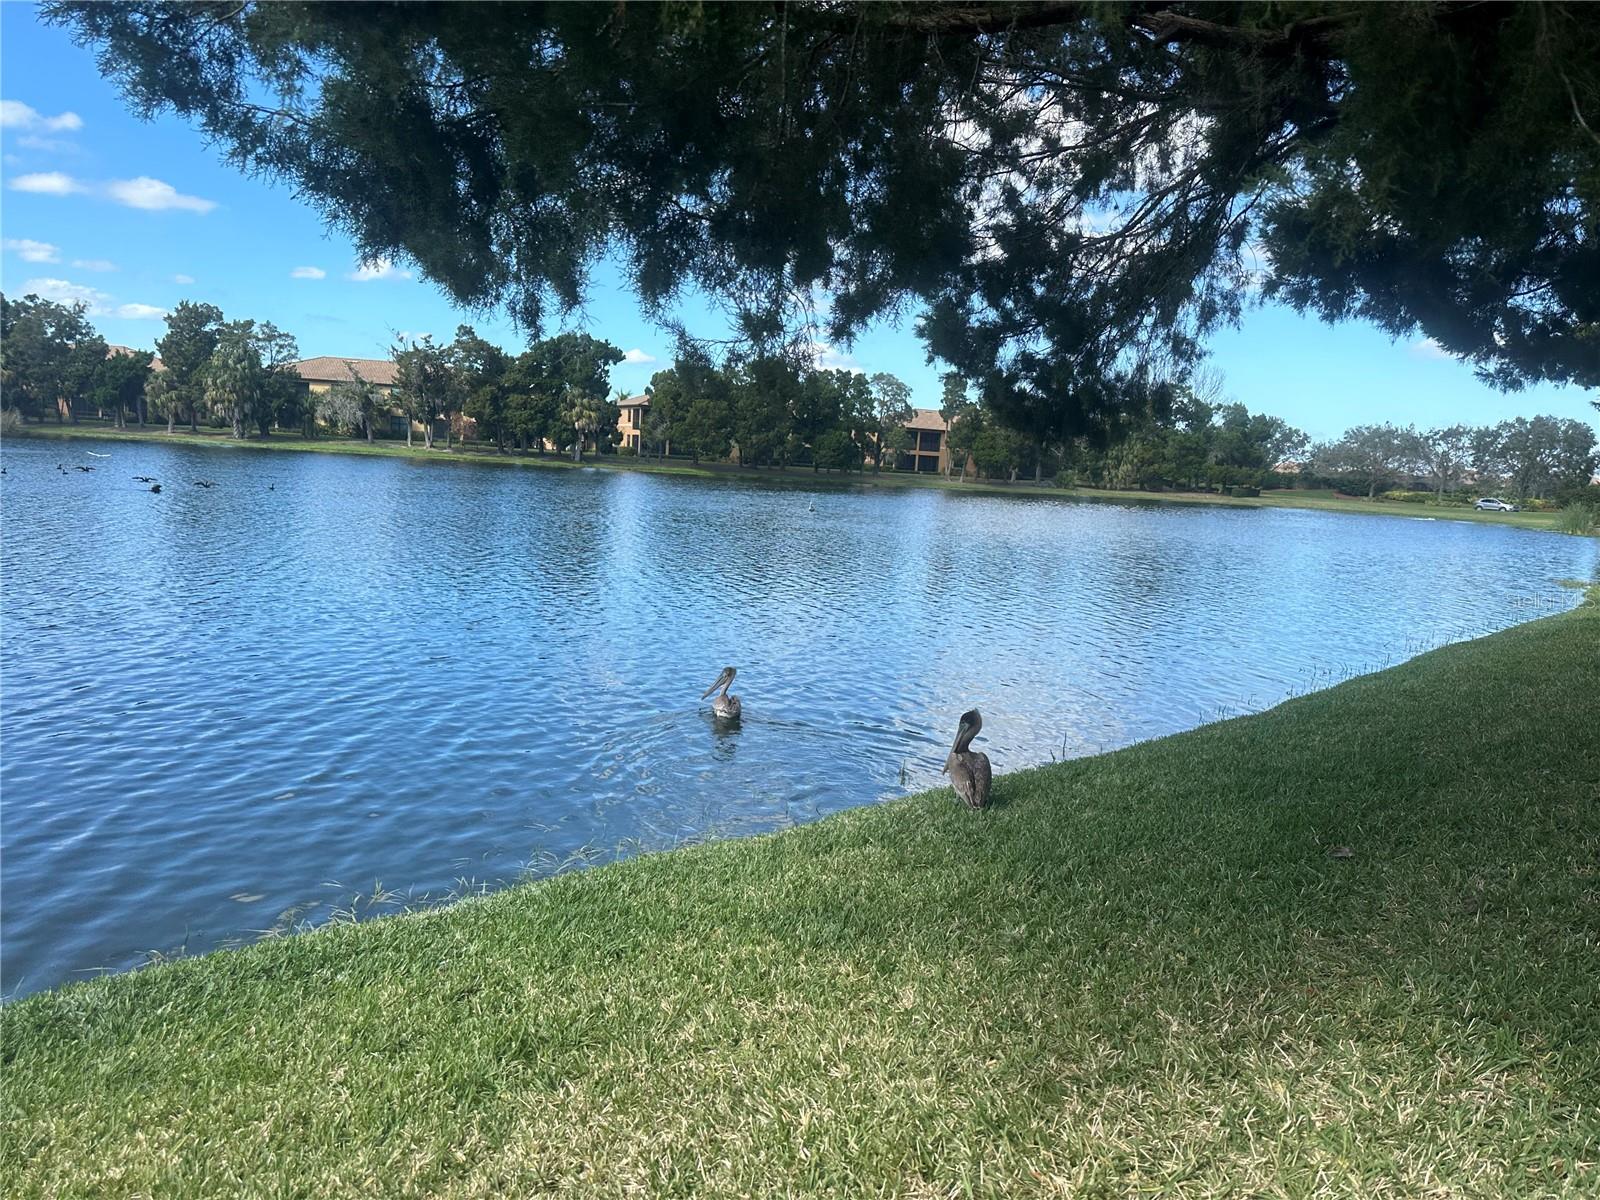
(1072, 194)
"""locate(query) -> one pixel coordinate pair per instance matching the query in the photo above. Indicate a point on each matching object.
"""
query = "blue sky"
(133, 217)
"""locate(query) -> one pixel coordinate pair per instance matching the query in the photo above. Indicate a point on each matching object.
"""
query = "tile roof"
(927, 418)
(329, 369)
(155, 362)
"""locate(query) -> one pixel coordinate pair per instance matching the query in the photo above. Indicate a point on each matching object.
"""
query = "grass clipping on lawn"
(1140, 973)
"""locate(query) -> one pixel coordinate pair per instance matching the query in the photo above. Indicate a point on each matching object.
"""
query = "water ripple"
(336, 685)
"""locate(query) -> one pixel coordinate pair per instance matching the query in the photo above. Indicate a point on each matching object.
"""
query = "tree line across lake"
(762, 410)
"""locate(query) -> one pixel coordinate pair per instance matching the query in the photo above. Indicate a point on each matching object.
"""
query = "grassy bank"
(1142, 972)
(1323, 501)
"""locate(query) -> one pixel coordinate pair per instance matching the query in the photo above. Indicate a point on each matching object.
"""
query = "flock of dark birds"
(150, 479)
(969, 770)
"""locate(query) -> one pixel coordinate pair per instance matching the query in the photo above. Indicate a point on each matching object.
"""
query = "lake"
(335, 686)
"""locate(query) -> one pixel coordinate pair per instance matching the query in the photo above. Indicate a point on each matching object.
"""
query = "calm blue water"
(241, 708)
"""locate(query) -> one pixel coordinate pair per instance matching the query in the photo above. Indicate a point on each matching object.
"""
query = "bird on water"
(969, 769)
(724, 707)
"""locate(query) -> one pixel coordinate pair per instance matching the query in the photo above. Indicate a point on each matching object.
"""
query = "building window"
(928, 442)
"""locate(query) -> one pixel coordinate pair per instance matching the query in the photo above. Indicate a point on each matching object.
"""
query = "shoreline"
(295, 443)
(1359, 914)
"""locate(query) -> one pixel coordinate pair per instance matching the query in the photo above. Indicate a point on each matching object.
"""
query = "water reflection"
(408, 680)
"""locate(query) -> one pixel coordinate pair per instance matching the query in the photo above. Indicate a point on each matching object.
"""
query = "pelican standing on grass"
(969, 769)
(724, 707)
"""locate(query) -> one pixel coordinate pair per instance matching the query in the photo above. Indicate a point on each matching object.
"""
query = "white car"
(1492, 504)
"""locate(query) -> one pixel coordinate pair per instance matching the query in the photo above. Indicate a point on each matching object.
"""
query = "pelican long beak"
(722, 680)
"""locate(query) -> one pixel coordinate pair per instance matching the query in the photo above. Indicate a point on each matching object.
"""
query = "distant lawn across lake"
(1346, 947)
(1326, 501)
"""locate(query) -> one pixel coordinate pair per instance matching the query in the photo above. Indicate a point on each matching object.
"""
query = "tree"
(764, 392)
(1536, 457)
(965, 426)
(818, 408)
(234, 377)
(48, 353)
(425, 384)
(160, 398)
(1066, 189)
(555, 375)
(351, 405)
(185, 350)
(668, 402)
(283, 400)
(582, 416)
(118, 384)
(836, 450)
(1445, 455)
(1376, 455)
(995, 450)
(891, 410)
(953, 402)
(485, 386)
(893, 441)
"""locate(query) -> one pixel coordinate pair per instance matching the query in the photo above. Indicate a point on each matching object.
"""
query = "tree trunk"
(194, 420)
(427, 434)
(368, 424)
(408, 433)
(449, 428)
(171, 415)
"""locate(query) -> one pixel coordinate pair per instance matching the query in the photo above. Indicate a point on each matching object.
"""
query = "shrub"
(10, 421)
(1407, 497)
(1579, 519)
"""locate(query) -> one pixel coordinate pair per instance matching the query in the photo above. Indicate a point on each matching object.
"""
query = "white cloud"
(140, 312)
(48, 145)
(94, 264)
(155, 196)
(47, 183)
(183, 279)
(14, 114)
(100, 304)
(831, 358)
(638, 356)
(378, 268)
(308, 273)
(29, 250)
(64, 292)
(1428, 348)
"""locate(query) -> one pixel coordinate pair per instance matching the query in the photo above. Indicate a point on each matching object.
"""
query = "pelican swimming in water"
(968, 769)
(725, 707)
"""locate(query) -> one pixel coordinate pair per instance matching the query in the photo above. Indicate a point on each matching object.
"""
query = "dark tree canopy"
(1072, 194)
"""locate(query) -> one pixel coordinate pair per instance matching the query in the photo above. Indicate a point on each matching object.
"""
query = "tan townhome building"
(930, 443)
(630, 425)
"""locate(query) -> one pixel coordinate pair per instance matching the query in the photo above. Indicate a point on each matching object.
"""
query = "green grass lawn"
(1140, 973)
(1321, 500)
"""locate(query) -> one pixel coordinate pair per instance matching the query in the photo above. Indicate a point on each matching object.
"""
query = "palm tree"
(583, 414)
(233, 380)
(159, 397)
